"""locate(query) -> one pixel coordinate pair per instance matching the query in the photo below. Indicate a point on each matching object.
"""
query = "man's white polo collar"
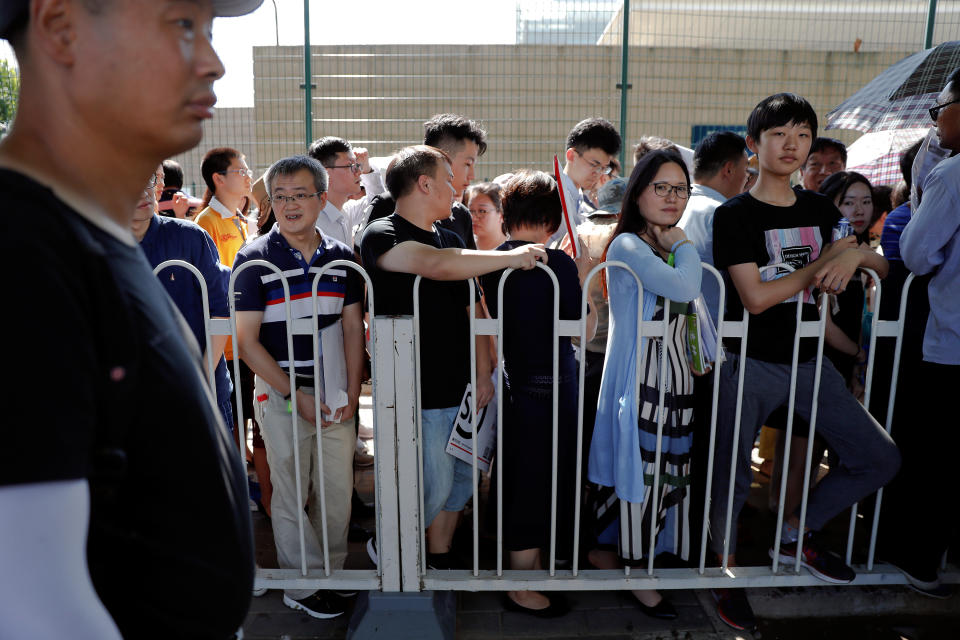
(221, 208)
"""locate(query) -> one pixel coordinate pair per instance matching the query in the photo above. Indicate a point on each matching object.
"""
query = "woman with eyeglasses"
(486, 211)
(623, 448)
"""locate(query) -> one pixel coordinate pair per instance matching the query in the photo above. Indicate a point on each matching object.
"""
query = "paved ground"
(612, 616)
(818, 613)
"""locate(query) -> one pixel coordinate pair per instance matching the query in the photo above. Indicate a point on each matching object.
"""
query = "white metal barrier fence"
(397, 428)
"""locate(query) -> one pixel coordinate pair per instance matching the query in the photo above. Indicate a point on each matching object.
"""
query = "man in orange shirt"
(229, 180)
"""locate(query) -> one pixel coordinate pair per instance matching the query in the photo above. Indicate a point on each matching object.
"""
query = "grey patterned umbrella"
(899, 97)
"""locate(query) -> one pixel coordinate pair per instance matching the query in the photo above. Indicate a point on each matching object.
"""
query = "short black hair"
(594, 133)
(906, 162)
(490, 189)
(448, 131)
(530, 199)
(16, 31)
(217, 160)
(325, 150)
(778, 110)
(714, 151)
(292, 166)
(882, 199)
(409, 164)
(652, 143)
(828, 144)
(172, 174)
(954, 77)
(837, 184)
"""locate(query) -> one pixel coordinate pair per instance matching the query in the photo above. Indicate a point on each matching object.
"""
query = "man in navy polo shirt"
(163, 239)
(297, 188)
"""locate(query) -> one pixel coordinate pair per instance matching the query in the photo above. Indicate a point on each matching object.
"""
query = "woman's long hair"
(836, 186)
(631, 218)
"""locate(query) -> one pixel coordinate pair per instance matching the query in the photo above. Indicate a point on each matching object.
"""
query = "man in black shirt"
(395, 250)
(464, 142)
(103, 361)
(755, 232)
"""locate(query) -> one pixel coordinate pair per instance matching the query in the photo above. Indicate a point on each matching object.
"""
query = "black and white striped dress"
(631, 520)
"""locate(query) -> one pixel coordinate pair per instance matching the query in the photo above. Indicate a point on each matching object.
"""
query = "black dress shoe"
(663, 610)
(558, 607)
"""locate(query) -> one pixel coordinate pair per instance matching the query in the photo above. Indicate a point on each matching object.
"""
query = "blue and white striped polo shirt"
(261, 289)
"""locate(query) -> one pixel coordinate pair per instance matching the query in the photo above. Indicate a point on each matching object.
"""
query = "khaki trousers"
(338, 441)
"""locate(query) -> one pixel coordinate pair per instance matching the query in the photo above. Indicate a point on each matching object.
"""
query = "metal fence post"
(931, 21)
(624, 84)
(402, 611)
(307, 76)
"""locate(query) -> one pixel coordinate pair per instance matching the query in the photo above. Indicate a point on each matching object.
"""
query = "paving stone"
(271, 601)
(294, 625)
(516, 625)
(480, 601)
(588, 600)
(478, 625)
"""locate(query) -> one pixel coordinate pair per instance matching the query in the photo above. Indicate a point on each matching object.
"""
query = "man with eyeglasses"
(591, 147)
(827, 156)
(94, 544)
(350, 175)
(930, 244)
(229, 181)
(297, 188)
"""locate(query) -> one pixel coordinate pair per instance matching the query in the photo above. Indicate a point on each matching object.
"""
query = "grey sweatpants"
(868, 458)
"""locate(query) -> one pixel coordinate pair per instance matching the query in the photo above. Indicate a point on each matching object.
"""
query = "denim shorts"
(447, 481)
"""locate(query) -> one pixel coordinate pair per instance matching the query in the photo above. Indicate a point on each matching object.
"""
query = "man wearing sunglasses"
(930, 244)
(94, 543)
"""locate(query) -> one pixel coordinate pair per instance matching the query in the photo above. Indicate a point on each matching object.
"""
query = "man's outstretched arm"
(457, 264)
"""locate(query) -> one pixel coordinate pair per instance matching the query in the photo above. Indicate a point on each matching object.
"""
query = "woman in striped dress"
(623, 448)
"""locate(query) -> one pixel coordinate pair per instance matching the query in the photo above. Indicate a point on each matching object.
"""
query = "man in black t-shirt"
(771, 225)
(464, 142)
(95, 542)
(394, 251)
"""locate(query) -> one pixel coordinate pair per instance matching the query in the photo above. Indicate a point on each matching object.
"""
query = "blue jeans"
(447, 481)
(226, 410)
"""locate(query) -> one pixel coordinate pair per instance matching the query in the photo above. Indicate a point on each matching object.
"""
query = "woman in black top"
(532, 213)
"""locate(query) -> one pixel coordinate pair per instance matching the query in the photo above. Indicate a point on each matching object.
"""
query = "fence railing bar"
(867, 389)
(291, 372)
(474, 406)
(811, 438)
(661, 417)
(788, 435)
(891, 404)
(721, 325)
(734, 458)
(205, 301)
(419, 418)
(499, 461)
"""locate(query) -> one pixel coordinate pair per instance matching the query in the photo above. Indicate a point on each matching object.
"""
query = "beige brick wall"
(527, 96)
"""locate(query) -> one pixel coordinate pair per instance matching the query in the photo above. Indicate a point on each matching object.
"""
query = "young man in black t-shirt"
(394, 251)
(96, 542)
(464, 142)
(769, 225)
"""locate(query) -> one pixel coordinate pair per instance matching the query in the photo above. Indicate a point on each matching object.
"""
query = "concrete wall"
(233, 127)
